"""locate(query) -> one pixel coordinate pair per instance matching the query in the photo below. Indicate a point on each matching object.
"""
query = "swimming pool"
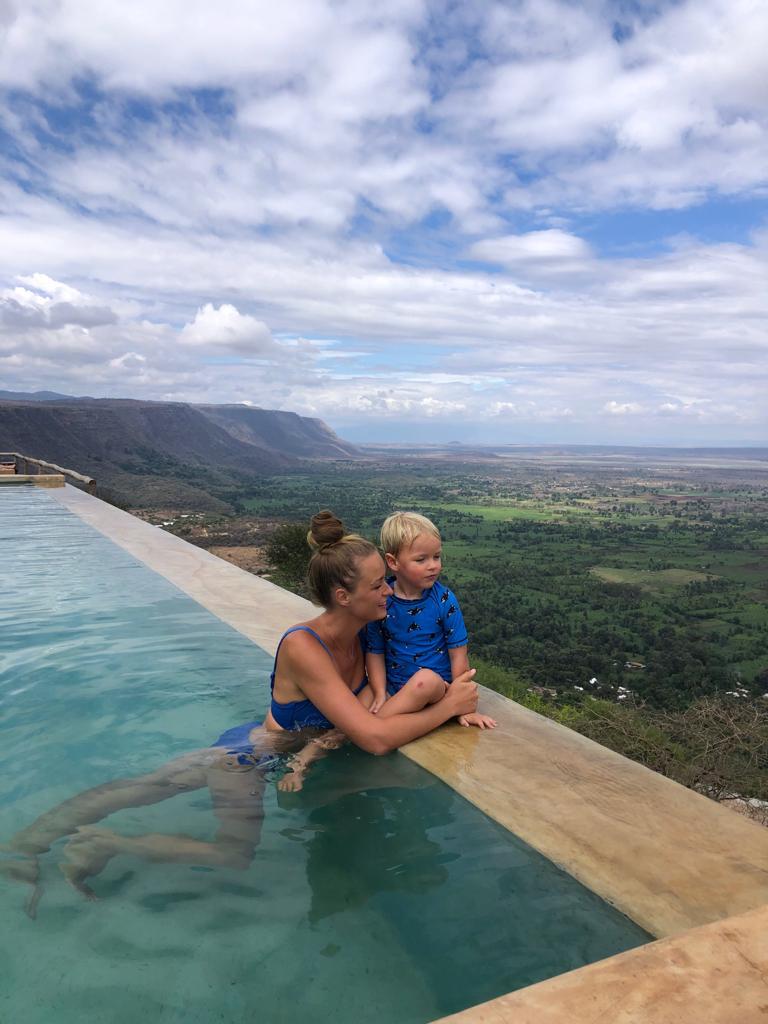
(377, 893)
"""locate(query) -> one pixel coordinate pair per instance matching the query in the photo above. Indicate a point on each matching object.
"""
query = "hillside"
(159, 453)
(286, 432)
(33, 396)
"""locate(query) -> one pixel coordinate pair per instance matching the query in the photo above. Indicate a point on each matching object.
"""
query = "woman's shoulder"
(302, 636)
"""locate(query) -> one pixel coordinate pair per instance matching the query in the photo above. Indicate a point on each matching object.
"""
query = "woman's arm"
(319, 681)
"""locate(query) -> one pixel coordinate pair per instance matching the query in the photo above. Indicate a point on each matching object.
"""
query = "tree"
(288, 554)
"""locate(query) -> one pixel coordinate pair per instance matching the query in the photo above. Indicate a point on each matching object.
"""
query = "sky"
(420, 220)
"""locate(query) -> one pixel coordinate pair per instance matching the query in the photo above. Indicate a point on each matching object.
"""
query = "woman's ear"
(391, 561)
(342, 597)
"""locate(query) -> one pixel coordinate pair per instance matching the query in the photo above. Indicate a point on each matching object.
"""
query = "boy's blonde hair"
(401, 529)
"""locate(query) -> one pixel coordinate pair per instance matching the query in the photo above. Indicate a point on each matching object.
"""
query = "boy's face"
(419, 565)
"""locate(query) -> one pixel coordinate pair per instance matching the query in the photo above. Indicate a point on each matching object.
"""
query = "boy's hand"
(378, 702)
(481, 721)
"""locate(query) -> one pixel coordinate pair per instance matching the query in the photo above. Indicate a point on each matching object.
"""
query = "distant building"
(543, 691)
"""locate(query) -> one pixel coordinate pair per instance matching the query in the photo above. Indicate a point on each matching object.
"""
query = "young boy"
(423, 635)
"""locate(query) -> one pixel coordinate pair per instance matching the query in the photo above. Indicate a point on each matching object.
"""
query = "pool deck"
(692, 873)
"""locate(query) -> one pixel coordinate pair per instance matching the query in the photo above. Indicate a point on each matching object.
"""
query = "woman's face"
(368, 601)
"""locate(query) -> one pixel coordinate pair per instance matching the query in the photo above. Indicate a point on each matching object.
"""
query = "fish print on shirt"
(420, 633)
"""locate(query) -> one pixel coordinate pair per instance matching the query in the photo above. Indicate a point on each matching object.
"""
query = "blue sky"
(518, 221)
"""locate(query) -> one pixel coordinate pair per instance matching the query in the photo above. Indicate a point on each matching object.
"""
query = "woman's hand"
(462, 694)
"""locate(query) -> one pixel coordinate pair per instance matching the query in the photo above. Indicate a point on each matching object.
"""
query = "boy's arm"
(460, 663)
(376, 671)
(459, 660)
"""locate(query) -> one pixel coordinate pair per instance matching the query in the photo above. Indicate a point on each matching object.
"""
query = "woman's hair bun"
(325, 528)
(336, 560)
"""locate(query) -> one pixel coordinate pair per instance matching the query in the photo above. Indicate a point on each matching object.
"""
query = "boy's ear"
(391, 561)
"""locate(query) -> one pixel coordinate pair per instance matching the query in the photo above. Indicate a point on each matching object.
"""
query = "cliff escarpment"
(156, 453)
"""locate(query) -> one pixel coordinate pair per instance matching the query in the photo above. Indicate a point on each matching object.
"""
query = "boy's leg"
(423, 688)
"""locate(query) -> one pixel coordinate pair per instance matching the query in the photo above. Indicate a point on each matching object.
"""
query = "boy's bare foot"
(292, 782)
(476, 719)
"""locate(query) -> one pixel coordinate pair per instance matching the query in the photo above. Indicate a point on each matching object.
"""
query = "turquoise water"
(375, 894)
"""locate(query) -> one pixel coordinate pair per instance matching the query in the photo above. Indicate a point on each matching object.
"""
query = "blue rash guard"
(418, 634)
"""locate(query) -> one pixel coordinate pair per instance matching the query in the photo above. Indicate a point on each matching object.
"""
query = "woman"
(318, 683)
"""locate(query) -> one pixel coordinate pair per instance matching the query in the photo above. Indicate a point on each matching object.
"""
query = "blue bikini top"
(302, 714)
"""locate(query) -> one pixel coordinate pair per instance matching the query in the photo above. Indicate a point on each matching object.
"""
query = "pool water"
(375, 894)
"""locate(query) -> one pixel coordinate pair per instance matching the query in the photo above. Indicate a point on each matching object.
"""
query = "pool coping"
(671, 860)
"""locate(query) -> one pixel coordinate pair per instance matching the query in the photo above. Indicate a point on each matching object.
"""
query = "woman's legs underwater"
(237, 799)
(238, 805)
(183, 773)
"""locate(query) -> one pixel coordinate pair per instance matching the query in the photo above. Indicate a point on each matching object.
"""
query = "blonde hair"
(401, 529)
(336, 559)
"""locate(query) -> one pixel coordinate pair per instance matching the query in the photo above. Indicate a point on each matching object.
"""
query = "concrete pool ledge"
(670, 859)
(712, 975)
(665, 856)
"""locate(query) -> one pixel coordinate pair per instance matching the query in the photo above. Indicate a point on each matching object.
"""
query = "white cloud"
(226, 328)
(677, 109)
(400, 401)
(537, 254)
(550, 245)
(622, 408)
(55, 290)
(50, 306)
(129, 362)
